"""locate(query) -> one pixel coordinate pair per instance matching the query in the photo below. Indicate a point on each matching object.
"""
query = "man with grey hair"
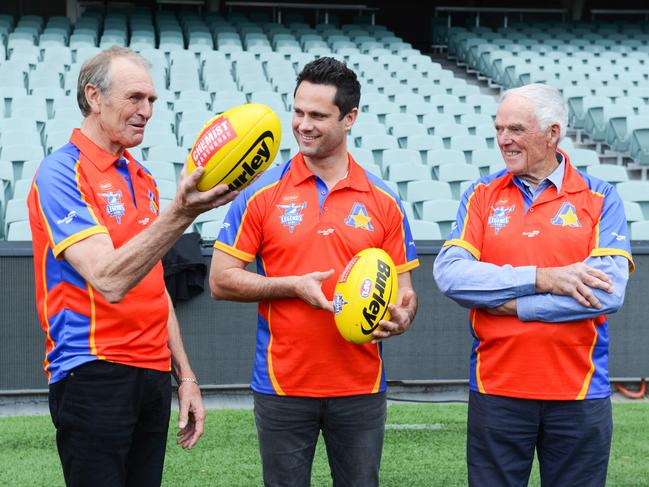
(540, 254)
(112, 336)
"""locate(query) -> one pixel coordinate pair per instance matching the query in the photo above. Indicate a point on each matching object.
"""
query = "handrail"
(278, 6)
(601, 11)
(503, 10)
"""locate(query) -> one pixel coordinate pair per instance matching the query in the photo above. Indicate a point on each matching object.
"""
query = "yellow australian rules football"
(362, 294)
(235, 146)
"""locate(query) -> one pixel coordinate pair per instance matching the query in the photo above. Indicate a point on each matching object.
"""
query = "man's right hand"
(577, 280)
(191, 202)
(309, 289)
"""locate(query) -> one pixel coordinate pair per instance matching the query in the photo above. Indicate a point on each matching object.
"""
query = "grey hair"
(549, 105)
(96, 71)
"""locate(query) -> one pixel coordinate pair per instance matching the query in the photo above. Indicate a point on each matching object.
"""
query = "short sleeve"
(611, 237)
(468, 229)
(66, 206)
(398, 238)
(241, 232)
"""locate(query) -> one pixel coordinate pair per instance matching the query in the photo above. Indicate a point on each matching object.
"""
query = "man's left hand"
(191, 417)
(400, 318)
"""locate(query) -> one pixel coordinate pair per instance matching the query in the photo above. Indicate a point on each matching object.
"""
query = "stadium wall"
(219, 336)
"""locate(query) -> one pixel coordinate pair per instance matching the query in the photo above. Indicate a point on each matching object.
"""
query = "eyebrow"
(512, 126)
(312, 112)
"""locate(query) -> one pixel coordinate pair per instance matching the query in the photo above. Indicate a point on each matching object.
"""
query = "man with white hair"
(540, 254)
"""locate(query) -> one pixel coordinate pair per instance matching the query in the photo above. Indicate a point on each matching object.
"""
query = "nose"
(304, 124)
(145, 109)
(503, 137)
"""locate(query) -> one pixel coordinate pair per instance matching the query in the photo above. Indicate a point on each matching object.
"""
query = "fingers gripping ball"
(363, 291)
(235, 146)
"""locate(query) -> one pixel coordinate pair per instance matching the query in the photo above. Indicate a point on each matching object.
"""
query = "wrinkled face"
(316, 124)
(128, 105)
(527, 149)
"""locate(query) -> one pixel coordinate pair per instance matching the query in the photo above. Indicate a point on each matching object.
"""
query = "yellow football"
(363, 291)
(235, 146)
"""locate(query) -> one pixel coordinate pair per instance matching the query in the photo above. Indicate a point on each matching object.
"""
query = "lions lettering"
(371, 312)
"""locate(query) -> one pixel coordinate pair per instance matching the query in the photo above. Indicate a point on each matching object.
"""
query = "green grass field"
(424, 446)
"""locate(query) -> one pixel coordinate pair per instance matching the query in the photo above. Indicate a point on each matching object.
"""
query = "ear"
(350, 118)
(554, 134)
(93, 97)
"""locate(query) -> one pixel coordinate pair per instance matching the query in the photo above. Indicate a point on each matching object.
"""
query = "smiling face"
(528, 150)
(317, 127)
(124, 110)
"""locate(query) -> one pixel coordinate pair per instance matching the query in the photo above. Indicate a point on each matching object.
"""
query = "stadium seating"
(422, 127)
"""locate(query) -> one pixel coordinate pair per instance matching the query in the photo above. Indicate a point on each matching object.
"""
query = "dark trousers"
(572, 440)
(111, 424)
(352, 428)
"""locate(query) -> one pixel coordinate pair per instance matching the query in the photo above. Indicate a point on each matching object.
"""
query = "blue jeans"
(572, 440)
(352, 428)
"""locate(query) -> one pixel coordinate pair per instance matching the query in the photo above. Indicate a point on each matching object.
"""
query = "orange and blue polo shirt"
(292, 225)
(534, 359)
(81, 190)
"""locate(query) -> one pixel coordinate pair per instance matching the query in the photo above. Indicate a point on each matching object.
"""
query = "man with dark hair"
(303, 221)
(112, 334)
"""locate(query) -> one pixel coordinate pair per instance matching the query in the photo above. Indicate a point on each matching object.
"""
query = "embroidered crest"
(292, 215)
(359, 217)
(499, 217)
(114, 206)
(566, 216)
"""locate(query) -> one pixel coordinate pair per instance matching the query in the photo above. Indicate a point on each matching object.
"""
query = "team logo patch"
(153, 204)
(566, 216)
(359, 217)
(499, 217)
(339, 302)
(114, 206)
(292, 215)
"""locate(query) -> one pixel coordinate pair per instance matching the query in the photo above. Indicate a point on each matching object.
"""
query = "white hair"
(549, 106)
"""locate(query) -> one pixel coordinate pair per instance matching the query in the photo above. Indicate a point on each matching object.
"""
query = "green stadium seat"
(438, 157)
(447, 131)
(485, 158)
(19, 231)
(403, 130)
(16, 210)
(633, 213)
(377, 144)
(442, 212)
(454, 174)
(467, 144)
(583, 158)
(619, 130)
(608, 172)
(597, 119)
(636, 191)
(639, 145)
(419, 191)
(402, 174)
(400, 156)
(425, 230)
(423, 144)
(640, 230)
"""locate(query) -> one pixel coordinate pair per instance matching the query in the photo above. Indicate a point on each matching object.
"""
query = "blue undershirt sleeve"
(551, 308)
(475, 284)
